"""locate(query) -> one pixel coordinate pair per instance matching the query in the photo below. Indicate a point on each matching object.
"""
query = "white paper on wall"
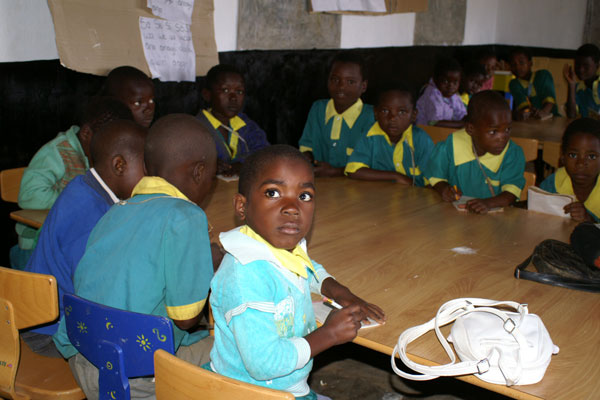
(348, 5)
(173, 10)
(168, 49)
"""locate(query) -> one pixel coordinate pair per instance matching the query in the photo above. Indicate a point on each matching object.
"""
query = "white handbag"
(496, 346)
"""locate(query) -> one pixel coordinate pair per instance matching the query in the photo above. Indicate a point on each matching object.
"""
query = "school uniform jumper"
(454, 161)
(535, 92)
(262, 312)
(588, 99)
(246, 138)
(330, 136)
(434, 107)
(376, 151)
(560, 182)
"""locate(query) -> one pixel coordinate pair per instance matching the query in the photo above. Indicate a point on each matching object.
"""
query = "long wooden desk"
(550, 130)
(391, 245)
(33, 218)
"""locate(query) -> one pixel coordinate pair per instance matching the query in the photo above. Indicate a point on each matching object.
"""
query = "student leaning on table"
(480, 161)
(583, 97)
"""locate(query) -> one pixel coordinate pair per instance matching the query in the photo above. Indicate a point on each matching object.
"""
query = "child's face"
(395, 113)
(448, 83)
(585, 68)
(491, 131)
(281, 203)
(226, 96)
(139, 97)
(490, 64)
(520, 65)
(473, 83)
(345, 84)
(582, 158)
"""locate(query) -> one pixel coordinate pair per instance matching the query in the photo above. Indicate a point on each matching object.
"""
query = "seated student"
(580, 155)
(583, 98)
(533, 92)
(117, 153)
(265, 329)
(235, 134)
(56, 164)
(480, 161)
(334, 126)
(488, 59)
(440, 103)
(154, 247)
(394, 149)
(472, 78)
(135, 89)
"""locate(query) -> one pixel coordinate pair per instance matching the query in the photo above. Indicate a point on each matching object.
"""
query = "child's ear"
(469, 128)
(239, 205)
(413, 118)
(363, 86)
(198, 172)
(205, 95)
(118, 165)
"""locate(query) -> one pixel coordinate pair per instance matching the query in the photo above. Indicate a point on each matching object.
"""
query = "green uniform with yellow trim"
(454, 161)
(588, 99)
(330, 136)
(560, 182)
(535, 92)
(149, 254)
(376, 151)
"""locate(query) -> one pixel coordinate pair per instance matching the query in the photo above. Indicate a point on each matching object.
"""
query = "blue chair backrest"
(121, 344)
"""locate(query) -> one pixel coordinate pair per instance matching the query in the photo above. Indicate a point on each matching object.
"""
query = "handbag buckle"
(509, 325)
(483, 366)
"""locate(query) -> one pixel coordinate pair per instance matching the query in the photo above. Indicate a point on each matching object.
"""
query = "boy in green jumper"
(583, 97)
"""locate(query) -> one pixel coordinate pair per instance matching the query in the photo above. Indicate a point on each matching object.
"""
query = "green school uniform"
(408, 156)
(588, 99)
(535, 92)
(560, 182)
(454, 161)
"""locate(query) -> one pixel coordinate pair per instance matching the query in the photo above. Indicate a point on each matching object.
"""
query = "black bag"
(570, 266)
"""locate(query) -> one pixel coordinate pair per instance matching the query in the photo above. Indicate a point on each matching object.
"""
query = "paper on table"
(463, 201)
(349, 5)
(231, 178)
(322, 310)
(173, 10)
(168, 49)
(548, 203)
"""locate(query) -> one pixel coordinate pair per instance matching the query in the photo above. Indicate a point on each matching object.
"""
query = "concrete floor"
(351, 372)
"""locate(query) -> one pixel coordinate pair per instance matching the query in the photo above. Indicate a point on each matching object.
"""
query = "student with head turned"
(471, 81)
(440, 103)
(117, 153)
(580, 155)
(57, 163)
(334, 126)
(394, 149)
(265, 329)
(480, 161)
(135, 89)
(154, 247)
(583, 97)
(533, 91)
(489, 61)
(235, 135)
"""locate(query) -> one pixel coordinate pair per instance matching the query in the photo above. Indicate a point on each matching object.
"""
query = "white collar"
(113, 197)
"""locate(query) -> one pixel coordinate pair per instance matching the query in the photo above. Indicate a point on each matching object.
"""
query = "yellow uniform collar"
(296, 261)
(350, 116)
(463, 152)
(236, 123)
(398, 157)
(563, 185)
(157, 185)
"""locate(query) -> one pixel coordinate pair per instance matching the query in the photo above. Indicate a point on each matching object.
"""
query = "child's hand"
(343, 325)
(367, 309)
(577, 211)
(477, 206)
(447, 192)
(569, 74)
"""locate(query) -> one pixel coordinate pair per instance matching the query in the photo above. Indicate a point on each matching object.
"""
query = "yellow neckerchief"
(350, 116)
(296, 261)
(465, 97)
(463, 152)
(529, 86)
(581, 86)
(407, 136)
(236, 124)
(564, 185)
(157, 185)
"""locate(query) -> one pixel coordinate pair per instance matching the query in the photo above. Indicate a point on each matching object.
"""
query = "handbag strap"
(446, 314)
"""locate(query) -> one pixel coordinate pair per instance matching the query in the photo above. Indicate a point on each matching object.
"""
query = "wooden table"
(550, 130)
(391, 245)
(33, 218)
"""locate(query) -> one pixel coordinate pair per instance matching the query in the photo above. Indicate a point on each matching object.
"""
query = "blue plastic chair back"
(509, 99)
(121, 344)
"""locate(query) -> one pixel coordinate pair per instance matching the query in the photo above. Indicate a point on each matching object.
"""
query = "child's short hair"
(520, 50)
(212, 76)
(581, 125)
(101, 110)
(350, 57)
(445, 65)
(397, 87)
(589, 50)
(116, 79)
(122, 136)
(484, 101)
(258, 160)
(473, 68)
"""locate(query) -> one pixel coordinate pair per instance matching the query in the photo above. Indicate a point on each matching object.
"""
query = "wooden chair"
(10, 182)
(551, 154)
(121, 344)
(529, 181)
(177, 379)
(529, 146)
(26, 300)
(437, 133)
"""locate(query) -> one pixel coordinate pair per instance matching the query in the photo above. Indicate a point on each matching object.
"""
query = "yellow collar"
(407, 135)
(157, 185)
(463, 152)
(236, 122)
(564, 185)
(581, 86)
(350, 115)
(296, 261)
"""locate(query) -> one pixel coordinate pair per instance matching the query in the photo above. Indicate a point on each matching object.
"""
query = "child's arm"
(369, 174)
(323, 168)
(341, 326)
(447, 192)
(578, 212)
(340, 293)
(546, 92)
(482, 206)
(39, 185)
(571, 79)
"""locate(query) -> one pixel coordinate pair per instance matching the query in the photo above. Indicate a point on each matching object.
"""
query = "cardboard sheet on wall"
(392, 7)
(96, 36)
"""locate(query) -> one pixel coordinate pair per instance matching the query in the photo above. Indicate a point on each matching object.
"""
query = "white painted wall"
(377, 31)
